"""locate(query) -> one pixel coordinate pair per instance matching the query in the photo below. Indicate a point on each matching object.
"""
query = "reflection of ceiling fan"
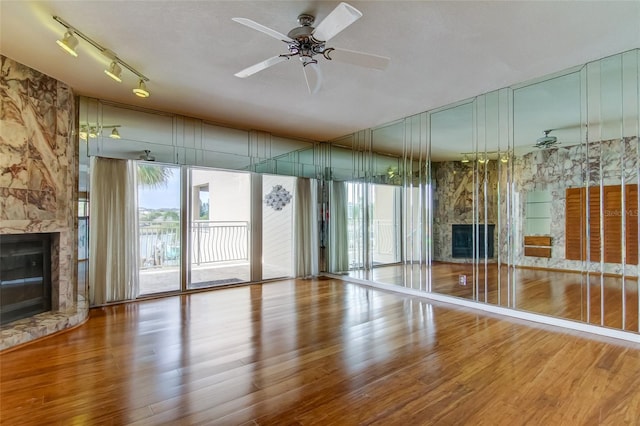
(546, 141)
(147, 156)
(308, 43)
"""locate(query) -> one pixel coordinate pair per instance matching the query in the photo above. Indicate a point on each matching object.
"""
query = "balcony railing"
(212, 241)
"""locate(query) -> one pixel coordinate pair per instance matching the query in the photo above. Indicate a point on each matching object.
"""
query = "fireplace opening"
(462, 240)
(25, 276)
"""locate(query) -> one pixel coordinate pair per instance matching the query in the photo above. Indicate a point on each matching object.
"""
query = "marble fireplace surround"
(38, 190)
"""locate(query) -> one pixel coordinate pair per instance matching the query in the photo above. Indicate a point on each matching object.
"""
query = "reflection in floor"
(550, 292)
(166, 279)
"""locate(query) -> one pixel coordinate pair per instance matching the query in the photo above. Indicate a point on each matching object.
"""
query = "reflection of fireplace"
(462, 241)
(25, 276)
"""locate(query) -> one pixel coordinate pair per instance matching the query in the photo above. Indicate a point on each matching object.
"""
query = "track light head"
(114, 71)
(465, 158)
(114, 134)
(69, 43)
(141, 90)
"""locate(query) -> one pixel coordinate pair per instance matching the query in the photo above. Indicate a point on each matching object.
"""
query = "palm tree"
(153, 176)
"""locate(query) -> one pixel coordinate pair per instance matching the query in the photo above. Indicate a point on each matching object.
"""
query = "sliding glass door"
(219, 228)
(159, 216)
(195, 227)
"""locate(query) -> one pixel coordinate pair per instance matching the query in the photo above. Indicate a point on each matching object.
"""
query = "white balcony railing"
(211, 241)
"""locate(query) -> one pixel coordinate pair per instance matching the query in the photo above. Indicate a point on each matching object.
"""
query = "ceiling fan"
(309, 43)
(547, 141)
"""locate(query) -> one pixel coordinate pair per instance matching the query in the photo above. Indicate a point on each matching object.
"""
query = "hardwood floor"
(313, 352)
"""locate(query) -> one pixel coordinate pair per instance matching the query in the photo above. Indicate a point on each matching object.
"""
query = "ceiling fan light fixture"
(114, 71)
(141, 91)
(69, 43)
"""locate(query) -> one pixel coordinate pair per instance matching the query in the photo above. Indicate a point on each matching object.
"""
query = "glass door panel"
(219, 227)
(159, 227)
(277, 226)
(356, 220)
(385, 224)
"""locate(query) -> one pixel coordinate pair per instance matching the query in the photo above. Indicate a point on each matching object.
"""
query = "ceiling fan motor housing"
(303, 42)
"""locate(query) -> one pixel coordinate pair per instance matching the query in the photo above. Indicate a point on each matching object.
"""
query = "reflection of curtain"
(113, 234)
(338, 238)
(306, 228)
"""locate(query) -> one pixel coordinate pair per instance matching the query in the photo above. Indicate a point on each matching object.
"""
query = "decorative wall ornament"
(278, 198)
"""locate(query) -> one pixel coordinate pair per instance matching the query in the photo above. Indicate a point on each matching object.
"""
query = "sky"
(163, 197)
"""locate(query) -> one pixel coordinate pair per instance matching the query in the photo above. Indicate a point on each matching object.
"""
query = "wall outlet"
(462, 279)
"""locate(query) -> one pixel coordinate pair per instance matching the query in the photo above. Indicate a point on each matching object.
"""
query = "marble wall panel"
(38, 192)
(555, 170)
(13, 204)
(455, 192)
(14, 145)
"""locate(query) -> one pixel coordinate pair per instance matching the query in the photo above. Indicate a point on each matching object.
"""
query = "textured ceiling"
(441, 52)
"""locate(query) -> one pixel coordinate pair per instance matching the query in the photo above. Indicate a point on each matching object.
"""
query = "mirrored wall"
(524, 198)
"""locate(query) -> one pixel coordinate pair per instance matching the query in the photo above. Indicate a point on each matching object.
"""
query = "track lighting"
(89, 131)
(69, 43)
(484, 157)
(114, 71)
(141, 90)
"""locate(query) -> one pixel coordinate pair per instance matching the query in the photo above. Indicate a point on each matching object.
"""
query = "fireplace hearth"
(25, 275)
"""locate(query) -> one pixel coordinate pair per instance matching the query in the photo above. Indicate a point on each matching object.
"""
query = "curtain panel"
(306, 228)
(338, 233)
(113, 234)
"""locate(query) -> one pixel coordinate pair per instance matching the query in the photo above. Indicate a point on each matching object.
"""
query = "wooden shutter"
(574, 219)
(594, 225)
(576, 244)
(632, 224)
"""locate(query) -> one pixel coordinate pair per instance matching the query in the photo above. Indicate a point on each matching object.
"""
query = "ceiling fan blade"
(313, 76)
(357, 58)
(259, 27)
(339, 19)
(261, 66)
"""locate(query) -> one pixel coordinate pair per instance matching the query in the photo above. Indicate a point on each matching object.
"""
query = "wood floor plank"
(315, 352)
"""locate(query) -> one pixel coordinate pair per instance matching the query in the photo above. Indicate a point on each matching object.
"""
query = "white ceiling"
(441, 52)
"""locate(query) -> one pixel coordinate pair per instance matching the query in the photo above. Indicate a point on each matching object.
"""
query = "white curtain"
(113, 233)
(338, 234)
(306, 228)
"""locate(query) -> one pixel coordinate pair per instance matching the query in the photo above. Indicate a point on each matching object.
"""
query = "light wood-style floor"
(316, 352)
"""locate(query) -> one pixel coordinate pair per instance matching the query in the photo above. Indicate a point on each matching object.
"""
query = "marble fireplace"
(38, 189)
